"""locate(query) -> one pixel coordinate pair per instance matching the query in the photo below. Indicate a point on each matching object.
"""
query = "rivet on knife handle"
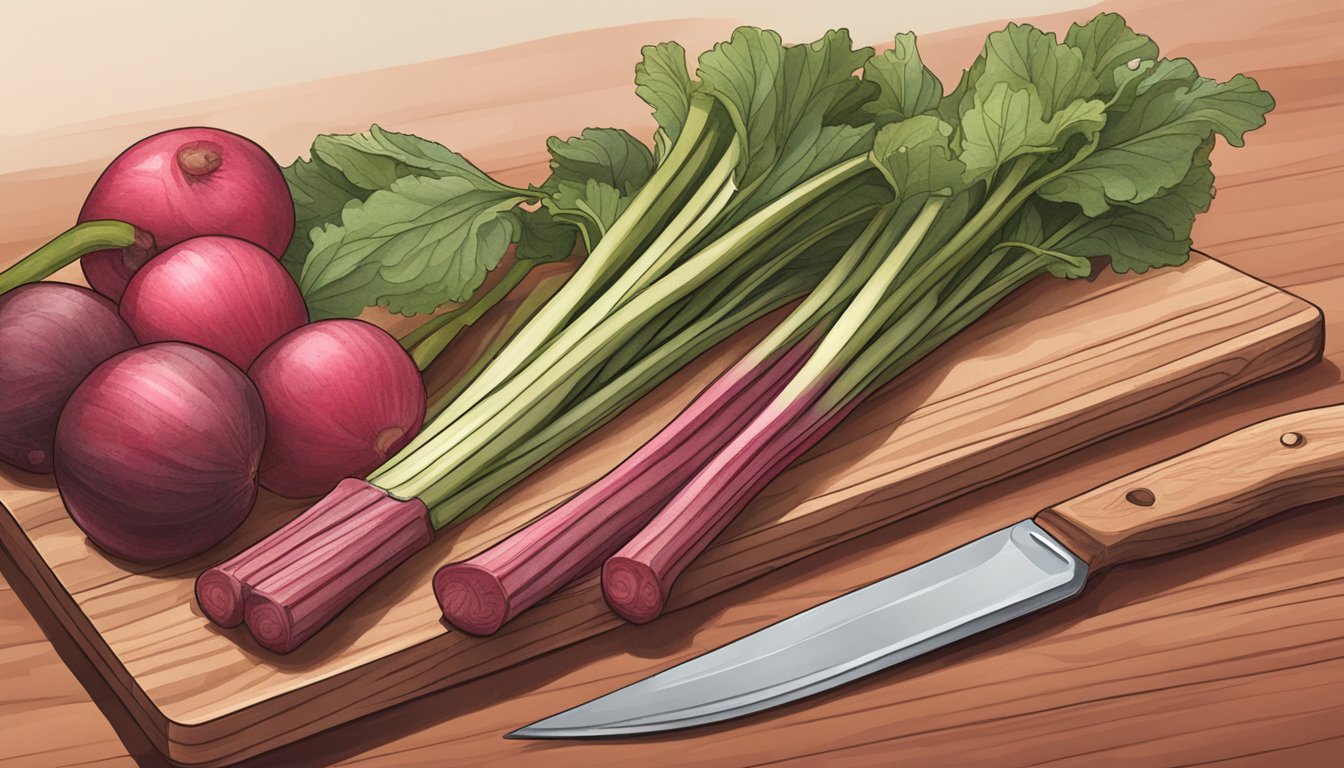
(1203, 494)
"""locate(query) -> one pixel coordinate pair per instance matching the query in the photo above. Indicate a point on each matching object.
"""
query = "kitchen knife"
(1185, 501)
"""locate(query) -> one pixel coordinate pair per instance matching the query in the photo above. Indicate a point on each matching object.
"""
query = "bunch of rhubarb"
(902, 214)
(1045, 155)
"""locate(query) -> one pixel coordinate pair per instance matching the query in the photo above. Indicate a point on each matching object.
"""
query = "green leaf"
(1005, 123)
(1230, 109)
(593, 177)
(905, 86)
(1128, 80)
(410, 248)
(664, 83)
(916, 158)
(1151, 147)
(1154, 233)
(803, 159)
(319, 192)
(543, 238)
(1022, 56)
(376, 159)
(607, 155)
(592, 206)
(1107, 44)
(778, 98)
(956, 104)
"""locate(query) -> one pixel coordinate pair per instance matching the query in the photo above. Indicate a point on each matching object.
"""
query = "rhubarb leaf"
(1107, 44)
(905, 86)
(420, 243)
(376, 159)
(1022, 57)
(1005, 123)
(1150, 147)
(956, 104)
(591, 206)
(1154, 233)
(593, 177)
(543, 237)
(778, 98)
(607, 155)
(319, 192)
(664, 83)
(916, 158)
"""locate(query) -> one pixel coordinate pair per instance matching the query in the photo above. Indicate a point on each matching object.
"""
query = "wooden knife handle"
(1208, 492)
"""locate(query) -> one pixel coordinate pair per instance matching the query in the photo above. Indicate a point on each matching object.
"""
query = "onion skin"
(185, 183)
(157, 452)
(221, 293)
(51, 336)
(341, 396)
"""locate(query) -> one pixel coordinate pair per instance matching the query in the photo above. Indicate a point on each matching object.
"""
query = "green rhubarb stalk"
(413, 472)
(679, 172)
(859, 322)
(481, 447)
(613, 397)
(429, 340)
(708, 329)
(527, 308)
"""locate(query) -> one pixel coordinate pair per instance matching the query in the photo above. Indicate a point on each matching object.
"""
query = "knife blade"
(1188, 500)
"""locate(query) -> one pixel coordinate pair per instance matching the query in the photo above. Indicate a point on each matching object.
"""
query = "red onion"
(181, 184)
(221, 293)
(341, 396)
(51, 336)
(157, 452)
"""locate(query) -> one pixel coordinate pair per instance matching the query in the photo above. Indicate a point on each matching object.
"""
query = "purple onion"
(51, 336)
(221, 293)
(341, 397)
(157, 452)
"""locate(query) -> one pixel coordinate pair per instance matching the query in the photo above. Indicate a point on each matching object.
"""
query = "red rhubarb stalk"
(479, 595)
(354, 544)
(221, 590)
(337, 548)
(637, 580)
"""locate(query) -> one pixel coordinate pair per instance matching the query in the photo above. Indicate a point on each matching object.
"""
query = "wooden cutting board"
(1057, 366)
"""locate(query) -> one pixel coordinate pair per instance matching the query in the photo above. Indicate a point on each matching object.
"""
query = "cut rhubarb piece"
(339, 549)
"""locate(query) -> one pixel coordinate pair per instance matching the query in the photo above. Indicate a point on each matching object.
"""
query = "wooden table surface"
(1230, 654)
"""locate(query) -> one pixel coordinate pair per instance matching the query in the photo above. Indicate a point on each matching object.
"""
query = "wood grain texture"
(1234, 653)
(1204, 494)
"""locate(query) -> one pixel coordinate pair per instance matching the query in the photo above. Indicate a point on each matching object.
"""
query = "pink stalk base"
(637, 580)
(480, 595)
(221, 591)
(330, 558)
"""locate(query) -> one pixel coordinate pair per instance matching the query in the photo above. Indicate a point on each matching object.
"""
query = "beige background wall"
(63, 62)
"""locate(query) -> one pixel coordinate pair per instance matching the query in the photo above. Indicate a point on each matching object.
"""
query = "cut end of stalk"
(321, 561)
(269, 624)
(632, 590)
(472, 598)
(220, 595)
(199, 158)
